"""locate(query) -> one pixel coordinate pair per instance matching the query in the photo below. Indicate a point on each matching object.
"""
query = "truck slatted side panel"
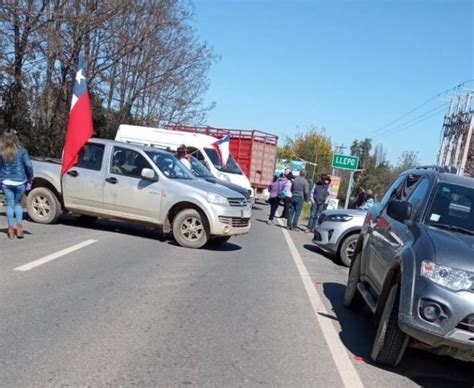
(255, 151)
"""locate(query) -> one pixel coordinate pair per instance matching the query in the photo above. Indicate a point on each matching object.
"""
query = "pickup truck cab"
(142, 185)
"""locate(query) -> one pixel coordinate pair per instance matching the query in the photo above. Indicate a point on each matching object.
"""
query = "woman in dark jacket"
(16, 171)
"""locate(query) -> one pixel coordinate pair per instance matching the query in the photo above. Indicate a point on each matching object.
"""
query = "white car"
(337, 231)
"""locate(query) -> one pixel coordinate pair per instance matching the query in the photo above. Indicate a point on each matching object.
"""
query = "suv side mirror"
(149, 175)
(399, 210)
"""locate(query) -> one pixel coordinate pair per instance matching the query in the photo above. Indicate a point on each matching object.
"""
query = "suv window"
(419, 194)
(391, 191)
(128, 163)
(409, 185)
(91, 156)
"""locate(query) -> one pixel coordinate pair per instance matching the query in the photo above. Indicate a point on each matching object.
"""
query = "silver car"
(337, 232)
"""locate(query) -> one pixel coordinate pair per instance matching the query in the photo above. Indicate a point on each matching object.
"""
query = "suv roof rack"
(451, 170)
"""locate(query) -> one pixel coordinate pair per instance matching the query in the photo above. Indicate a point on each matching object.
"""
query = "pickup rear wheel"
(352, 297)
(43, 206)
(190, 229)
(390, 342)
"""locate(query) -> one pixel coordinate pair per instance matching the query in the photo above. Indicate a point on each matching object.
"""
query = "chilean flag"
(222, 145)
(79, 126)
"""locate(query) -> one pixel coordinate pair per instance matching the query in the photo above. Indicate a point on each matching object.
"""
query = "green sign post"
(345, 162)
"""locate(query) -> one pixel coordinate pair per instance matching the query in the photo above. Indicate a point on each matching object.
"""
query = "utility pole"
(458, 126)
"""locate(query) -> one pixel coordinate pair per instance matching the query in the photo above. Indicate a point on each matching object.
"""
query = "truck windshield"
(198, 169)
(169, 165)
(452, 208)
(231, 166)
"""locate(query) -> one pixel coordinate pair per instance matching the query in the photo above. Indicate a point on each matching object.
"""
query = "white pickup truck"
(142, 185)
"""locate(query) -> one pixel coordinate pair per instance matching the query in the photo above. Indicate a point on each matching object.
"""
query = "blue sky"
(348, 66)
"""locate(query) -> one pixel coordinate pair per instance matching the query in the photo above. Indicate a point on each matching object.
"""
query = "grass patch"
(305, 214)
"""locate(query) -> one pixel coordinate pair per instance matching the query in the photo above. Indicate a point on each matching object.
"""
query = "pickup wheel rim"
(192, 228)
(41, 206)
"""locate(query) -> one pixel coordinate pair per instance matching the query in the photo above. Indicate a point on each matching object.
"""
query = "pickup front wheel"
(190, 229)
(43, 206)
(390, 342)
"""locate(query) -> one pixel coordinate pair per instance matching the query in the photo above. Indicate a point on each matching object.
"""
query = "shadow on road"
(224, 247)
(116, 227)
(423, 368)
(331, 256)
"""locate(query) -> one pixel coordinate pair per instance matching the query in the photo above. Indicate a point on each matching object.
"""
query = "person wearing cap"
(182, 154)
(320, 194)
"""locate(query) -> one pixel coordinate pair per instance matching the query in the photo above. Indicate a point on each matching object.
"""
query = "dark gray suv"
(414, 266)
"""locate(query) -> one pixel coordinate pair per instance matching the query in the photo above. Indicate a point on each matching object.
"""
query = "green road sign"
(345, 162)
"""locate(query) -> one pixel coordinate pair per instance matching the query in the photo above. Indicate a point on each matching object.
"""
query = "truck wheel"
(352, 297)
(189, 229)
(43, 206)
(347, 248)
(390, 342)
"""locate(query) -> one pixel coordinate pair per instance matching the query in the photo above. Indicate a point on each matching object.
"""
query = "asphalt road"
(130, 308)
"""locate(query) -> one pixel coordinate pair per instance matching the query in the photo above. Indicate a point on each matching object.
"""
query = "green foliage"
(377, 173)
(312, 146)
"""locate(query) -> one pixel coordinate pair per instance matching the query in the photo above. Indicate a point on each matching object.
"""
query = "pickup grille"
(237, 202)
(235, 222)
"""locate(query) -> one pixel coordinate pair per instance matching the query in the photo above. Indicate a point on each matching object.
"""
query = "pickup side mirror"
(149, 175)
(399, 210)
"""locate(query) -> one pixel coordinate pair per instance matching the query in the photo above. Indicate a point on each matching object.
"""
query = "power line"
(403, 128)
(408, 122)
(421, 106)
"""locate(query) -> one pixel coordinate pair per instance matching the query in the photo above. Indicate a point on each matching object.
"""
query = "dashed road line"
(344, 365)
(54, 256)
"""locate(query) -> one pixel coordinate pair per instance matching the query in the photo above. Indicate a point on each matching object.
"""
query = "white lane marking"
(338, 351)
(54, 256)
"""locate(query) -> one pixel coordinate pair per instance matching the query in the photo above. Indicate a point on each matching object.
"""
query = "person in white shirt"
(183, 154)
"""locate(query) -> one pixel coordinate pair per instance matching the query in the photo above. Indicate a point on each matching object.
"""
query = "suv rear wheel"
(190, 229)
(390, 342)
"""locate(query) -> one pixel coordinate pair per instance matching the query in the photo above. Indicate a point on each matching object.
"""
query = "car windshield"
(169, 165)
(198, 169)
(231, 166)
(452, 208)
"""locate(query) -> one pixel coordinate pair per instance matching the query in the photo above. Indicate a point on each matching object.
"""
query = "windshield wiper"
(454, 228)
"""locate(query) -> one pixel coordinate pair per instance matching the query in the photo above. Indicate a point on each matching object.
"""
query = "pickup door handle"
(112, 180)
(73, 173)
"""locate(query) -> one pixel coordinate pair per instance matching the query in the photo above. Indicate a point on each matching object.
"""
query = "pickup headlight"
(338, 217)
(452, 278)
(217, 199)
(223, 176)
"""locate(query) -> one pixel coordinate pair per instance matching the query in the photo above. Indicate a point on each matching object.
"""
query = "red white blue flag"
(223, 147)
(79, 127)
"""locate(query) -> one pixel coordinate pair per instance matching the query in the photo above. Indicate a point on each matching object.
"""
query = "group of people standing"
(16, 171)
(292, 192)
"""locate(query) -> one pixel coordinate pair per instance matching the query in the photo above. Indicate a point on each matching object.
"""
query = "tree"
(144, 65)
(408, 160)
(312, 146)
